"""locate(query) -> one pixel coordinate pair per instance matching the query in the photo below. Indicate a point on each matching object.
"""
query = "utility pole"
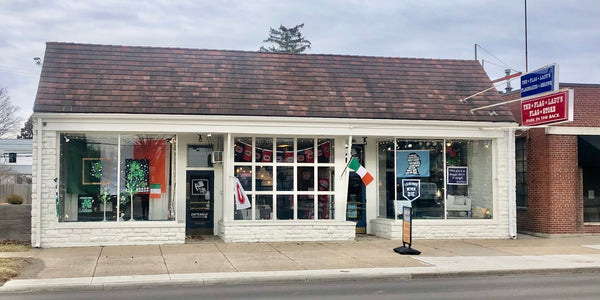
(526, 62)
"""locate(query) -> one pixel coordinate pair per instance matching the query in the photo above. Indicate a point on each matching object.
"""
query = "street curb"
(507, 272)
(245, 278)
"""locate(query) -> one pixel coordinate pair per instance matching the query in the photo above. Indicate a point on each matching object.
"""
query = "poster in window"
(457, 176)
(137, 171)
(352, 211)
(412, 163)
(95, 171)
(85, 204)
(199, 187)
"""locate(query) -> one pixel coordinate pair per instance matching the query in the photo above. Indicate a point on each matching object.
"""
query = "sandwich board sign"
(411, 190)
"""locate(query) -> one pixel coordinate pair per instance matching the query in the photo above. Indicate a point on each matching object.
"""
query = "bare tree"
(9, 120)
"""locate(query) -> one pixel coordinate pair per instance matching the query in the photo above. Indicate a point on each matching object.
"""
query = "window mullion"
(118, 177)
(295, 183)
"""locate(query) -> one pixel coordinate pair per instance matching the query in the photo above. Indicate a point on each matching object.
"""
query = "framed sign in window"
(95, 171)
(458, 176)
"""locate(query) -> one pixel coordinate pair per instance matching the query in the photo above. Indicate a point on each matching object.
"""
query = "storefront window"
(89, 188)
(285, 207)
(469, 179)
(264, 207)
(285, 178)
(243, 150)
(422, 160)
(325, 187)
(296, 172)
(454, 177)
(589, 164)
(521, 170)
(387, 193)
(264, 178)
(306, 181)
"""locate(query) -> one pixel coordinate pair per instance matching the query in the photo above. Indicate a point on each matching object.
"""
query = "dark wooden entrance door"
(200, 203)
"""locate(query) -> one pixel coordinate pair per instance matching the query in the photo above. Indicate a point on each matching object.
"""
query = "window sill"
(123, 224)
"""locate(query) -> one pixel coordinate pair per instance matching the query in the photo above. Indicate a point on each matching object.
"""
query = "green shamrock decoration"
(96, 170)
(87, 203)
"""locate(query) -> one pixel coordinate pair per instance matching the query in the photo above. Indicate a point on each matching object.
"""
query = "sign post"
(411, 190)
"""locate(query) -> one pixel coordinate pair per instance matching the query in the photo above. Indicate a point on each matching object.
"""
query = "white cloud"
(559, 31)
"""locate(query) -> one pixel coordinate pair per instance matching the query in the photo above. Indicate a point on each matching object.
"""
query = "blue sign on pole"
(540, 81)
(411, 189)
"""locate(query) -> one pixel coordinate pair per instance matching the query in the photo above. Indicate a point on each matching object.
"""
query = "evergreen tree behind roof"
(286, 40)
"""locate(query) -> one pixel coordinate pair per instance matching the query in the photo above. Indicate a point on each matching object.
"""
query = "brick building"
(558, 169)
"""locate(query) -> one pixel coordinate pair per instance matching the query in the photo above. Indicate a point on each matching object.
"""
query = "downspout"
(512, 206)
(38, 186)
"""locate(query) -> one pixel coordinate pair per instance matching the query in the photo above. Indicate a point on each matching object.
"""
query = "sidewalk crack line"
(97, 260)
(164, 261)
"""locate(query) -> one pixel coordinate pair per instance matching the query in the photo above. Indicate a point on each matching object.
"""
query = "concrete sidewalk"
(210, 261)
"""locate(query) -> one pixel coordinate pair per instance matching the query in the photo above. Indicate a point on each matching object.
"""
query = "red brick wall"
(586, 105)
(562, 171)
(554, 180)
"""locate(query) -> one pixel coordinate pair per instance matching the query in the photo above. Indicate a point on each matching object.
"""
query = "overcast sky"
(559, 31)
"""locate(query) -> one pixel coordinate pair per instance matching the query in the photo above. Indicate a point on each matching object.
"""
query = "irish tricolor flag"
(355, 166)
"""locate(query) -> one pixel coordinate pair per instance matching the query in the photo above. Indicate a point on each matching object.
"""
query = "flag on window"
(241, 199)
(355, 166)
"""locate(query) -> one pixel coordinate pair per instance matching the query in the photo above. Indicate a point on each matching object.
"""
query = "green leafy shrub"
(14, 199)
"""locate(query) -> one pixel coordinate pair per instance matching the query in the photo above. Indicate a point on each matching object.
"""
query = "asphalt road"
(563, 286)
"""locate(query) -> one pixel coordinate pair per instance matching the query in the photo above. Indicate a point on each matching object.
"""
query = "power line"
(13, 70)
(501, 66)
(494, 56)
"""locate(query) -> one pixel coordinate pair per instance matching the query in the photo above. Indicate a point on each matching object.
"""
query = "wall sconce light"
(200, 137)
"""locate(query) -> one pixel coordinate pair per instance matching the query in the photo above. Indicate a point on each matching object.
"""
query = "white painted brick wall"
(55, 234)
(240, 231)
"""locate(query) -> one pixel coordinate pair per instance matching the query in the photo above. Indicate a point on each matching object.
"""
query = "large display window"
(454, 178)
(285, 178)
(110, 177)
(589, 166)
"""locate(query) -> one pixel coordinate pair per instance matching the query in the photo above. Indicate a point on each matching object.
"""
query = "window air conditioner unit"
(217, 157)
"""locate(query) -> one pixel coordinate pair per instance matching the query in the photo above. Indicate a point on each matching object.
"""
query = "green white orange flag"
(355, 166)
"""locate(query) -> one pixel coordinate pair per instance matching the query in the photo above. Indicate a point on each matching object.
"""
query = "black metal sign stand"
(407, 234)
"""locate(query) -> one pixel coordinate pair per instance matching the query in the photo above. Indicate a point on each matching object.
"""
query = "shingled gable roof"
(83, 78)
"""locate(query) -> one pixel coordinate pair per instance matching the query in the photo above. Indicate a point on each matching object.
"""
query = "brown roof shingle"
(83, 78)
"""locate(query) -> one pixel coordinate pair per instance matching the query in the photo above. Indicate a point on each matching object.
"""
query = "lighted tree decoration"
(96, 170)
(136, 178)
(104, 195)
